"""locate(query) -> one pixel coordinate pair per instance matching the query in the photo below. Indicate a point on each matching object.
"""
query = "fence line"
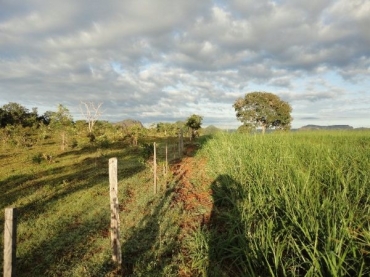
(10, 226)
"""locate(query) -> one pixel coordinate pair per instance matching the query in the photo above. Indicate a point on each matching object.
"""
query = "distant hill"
(329, 127)
(211, 129)
(127, 123)
(362, 128)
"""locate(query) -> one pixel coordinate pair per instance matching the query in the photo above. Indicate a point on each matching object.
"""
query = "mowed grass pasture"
(284, 204)
(64, 209)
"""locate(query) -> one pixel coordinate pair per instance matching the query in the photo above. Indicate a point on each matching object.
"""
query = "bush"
(74, 143)
(146, 150)
(37, 159)
(103, 142)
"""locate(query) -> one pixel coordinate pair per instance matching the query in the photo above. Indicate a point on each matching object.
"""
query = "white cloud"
(167, 59)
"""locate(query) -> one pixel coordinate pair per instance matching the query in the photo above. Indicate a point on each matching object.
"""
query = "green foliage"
(37, 158)
(167, 129)
(61, 122)
(289, 204)
(16, 135)
(103, 142)
(147, 150)
(194, 122)
(15, 114)
(62, 118)
(63, 204)
(74, 143)
(91, 137)
(245, 129)
(263, 109)
(284, 204)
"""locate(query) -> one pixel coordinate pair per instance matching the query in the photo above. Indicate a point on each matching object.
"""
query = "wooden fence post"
(155, 168)
(114, 208)
(10, 241)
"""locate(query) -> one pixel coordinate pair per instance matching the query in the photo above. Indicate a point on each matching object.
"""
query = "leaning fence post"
(114, 208)
(10, 241)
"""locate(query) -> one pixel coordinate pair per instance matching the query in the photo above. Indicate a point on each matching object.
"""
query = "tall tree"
(263, 109)
(15, 113)
(194, 122)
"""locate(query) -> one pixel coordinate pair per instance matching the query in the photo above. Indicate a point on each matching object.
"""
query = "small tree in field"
(61, 121)
(263, 109)
(194, 122)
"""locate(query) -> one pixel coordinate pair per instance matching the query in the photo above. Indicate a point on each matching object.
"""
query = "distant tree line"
(22, 127)
(16, 114)
(255, 110)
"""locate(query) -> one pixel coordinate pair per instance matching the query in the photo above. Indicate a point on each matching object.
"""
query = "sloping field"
(64, 212)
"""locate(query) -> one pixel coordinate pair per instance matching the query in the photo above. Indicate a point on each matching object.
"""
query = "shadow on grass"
(227, 240)
(43, 189)
(70, 179)
(122, 147)
(3, 156)
(148, 241)
(149, 246)
(69, 247)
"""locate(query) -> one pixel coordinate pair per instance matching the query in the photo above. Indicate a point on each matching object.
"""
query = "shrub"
(37, 159)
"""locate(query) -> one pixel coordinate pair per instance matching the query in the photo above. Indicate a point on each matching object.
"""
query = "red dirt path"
(193, 192)
(193, 189)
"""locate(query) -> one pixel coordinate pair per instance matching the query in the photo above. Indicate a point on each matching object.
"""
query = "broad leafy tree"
(263, 109)
(14, 114)
(194, 122)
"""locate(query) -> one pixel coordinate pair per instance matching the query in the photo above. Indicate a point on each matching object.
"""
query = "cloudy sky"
(163, 60)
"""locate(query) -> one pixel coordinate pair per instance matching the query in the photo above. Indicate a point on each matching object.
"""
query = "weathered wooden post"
(114, 208)
(155, 168)
(10, 241)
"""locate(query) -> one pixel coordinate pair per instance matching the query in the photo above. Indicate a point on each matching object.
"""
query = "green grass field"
(64, 212)
(284, 204)
(295, 204)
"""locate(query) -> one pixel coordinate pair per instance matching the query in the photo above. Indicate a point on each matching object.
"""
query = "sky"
(164, 60)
